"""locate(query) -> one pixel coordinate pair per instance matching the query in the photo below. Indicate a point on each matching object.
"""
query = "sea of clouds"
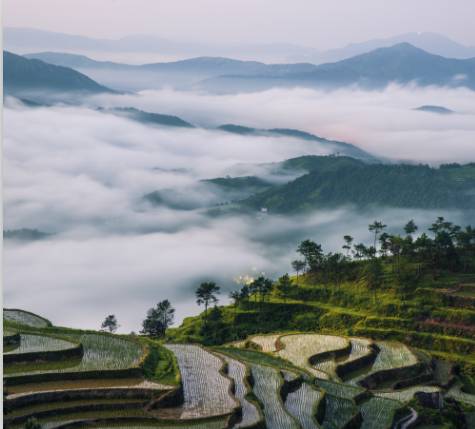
(81, 175)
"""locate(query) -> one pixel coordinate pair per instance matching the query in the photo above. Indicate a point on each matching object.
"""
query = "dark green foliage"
(240, 183)
(451, 416)
(284, 286)
(312, 254)
(110, 323)
(158, 319)
(214, 331)
(261, 287)
(336, 181)
(206, 293)
(159, 365)
(32, 423)
(373, 274)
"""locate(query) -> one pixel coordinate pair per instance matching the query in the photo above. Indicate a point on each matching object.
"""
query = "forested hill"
(336, 181)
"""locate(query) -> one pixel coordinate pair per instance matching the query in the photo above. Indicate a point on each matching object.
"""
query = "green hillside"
(337, 181)
(373, 337)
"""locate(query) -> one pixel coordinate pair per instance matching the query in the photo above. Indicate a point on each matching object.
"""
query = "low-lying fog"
(81, 175)
(381, 122)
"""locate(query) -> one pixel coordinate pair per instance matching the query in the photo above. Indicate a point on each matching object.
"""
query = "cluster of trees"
(446, 247)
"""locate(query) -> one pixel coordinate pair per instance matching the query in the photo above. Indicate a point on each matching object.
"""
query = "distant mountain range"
(33, 40)
(181, 74)
(433, 43)
(402, 64)
(24, 77)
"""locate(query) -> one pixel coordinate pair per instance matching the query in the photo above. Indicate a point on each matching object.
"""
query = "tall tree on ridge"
(298, 266)
(110, 324)
(158, 319)
(206, 293)
(377, 227)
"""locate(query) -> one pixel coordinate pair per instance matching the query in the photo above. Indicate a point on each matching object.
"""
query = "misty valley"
(222, 243)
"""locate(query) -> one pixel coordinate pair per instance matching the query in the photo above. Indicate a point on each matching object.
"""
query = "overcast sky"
(315, 23)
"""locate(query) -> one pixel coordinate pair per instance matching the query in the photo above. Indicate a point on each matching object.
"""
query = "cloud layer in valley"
(81, 174)
(381, 122)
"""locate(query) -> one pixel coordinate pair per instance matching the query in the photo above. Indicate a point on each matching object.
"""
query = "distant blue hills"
(22, 76)
(401, 63)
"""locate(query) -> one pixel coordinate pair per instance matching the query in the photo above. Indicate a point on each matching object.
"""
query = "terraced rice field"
(30, 343)
(206, 390)
(34, 410)
(267, 383)
(299, 348)
(405, 395)
(338, 411)
(101, 353)
(237, 371)
(391, 355)
(253, 356)
(58, 420)
(266, 343)
(302, 404)
(209, 424)
(339, 389)
(378, 413)
(97, 383)
(360, 347)
(25, 318)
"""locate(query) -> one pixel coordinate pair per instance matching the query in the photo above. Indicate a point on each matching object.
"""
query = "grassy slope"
(352, 309)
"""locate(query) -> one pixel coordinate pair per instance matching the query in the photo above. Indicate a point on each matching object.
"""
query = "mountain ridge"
(22, 75)
(401, 63)
(30, 39)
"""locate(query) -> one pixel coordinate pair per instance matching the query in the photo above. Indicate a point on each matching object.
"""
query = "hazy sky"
(316, 23)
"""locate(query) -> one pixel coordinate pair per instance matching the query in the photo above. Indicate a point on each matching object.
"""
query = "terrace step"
(104, 356)
(378, 412)
(266, 385)
(82, 389)
(42, 348)
(302, 402)
(45, 410)
(251, 415)
(206, 390)
(393, 362)
(312, 351)
(363, 354)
